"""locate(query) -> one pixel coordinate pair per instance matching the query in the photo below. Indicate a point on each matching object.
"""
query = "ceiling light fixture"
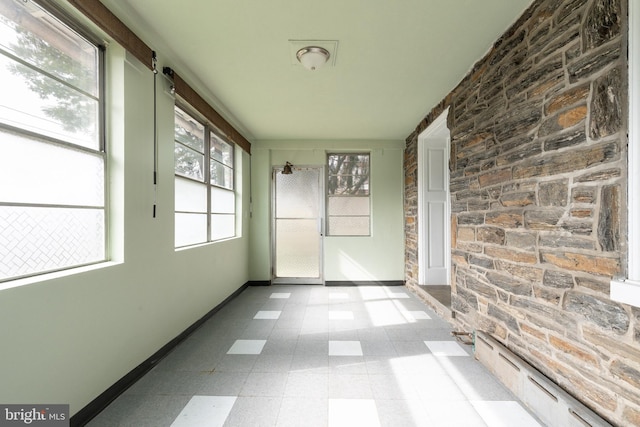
(313, 57)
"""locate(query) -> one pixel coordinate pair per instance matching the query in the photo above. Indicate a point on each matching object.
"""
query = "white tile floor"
(345, 348)
(317, 356)
(247, 347)
(268, 314)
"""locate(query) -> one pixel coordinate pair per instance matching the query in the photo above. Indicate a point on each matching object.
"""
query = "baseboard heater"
(552, 405)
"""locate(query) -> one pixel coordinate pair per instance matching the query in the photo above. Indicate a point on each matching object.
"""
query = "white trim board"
(628, 290)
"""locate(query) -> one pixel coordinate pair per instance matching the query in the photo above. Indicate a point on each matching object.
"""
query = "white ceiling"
(395, 59)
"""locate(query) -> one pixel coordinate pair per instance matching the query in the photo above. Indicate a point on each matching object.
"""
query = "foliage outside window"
(52, 157)
(348, 193)
(204, 183)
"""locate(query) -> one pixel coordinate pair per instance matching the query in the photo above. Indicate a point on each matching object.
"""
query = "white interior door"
(297, 226)
(433, 204)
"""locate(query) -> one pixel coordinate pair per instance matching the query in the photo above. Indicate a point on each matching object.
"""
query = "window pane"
(221, 151)
(191, 229)
(25, 27)
(349, 225)
(191, 147)
(36, 240)
(348, 203)
(348, 206)
(222, 201)
(223, 226)
(189, 131)
(221, 175)
(348, 185)
(349, 164)
(37, 103)
(188, 162)
(50, 90)
(348, 174)
(190, 196)
(45, 173)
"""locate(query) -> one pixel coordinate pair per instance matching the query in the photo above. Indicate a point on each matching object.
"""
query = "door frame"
(321, 228)
(436, 130)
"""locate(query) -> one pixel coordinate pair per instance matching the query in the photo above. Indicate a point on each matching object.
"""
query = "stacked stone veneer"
(538, 200)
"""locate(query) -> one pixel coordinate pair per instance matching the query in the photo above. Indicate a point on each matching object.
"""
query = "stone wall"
(538, 197)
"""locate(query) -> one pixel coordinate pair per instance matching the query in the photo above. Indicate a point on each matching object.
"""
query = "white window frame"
(627, 290)
(209, 133)
(329, 232)
(46, 138)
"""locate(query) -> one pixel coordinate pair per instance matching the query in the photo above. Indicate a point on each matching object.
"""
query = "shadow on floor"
(441, 293)
(437, 297)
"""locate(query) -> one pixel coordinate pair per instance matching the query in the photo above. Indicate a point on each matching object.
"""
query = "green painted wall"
(67, 337)
(377, 257)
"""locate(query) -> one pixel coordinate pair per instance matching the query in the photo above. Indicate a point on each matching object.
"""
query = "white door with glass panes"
(297, 225)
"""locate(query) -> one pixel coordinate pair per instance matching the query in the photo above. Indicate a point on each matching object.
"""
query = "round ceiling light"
(313, 57)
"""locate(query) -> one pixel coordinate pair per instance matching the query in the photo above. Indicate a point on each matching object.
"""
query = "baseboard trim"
(97, 405)
(259, 283)
(364, 283)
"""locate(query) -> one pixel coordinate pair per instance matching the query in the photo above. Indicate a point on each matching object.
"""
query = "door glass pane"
(297, 194)
(297, 248)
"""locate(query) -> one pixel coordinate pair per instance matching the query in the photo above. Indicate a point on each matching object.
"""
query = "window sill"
(346, 235)
(56, 275)
(205, 244)
(626, 291)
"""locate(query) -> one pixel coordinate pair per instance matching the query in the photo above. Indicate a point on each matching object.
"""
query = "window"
(627, 290)
(204, 183)
(348, 205)
(52, 156)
